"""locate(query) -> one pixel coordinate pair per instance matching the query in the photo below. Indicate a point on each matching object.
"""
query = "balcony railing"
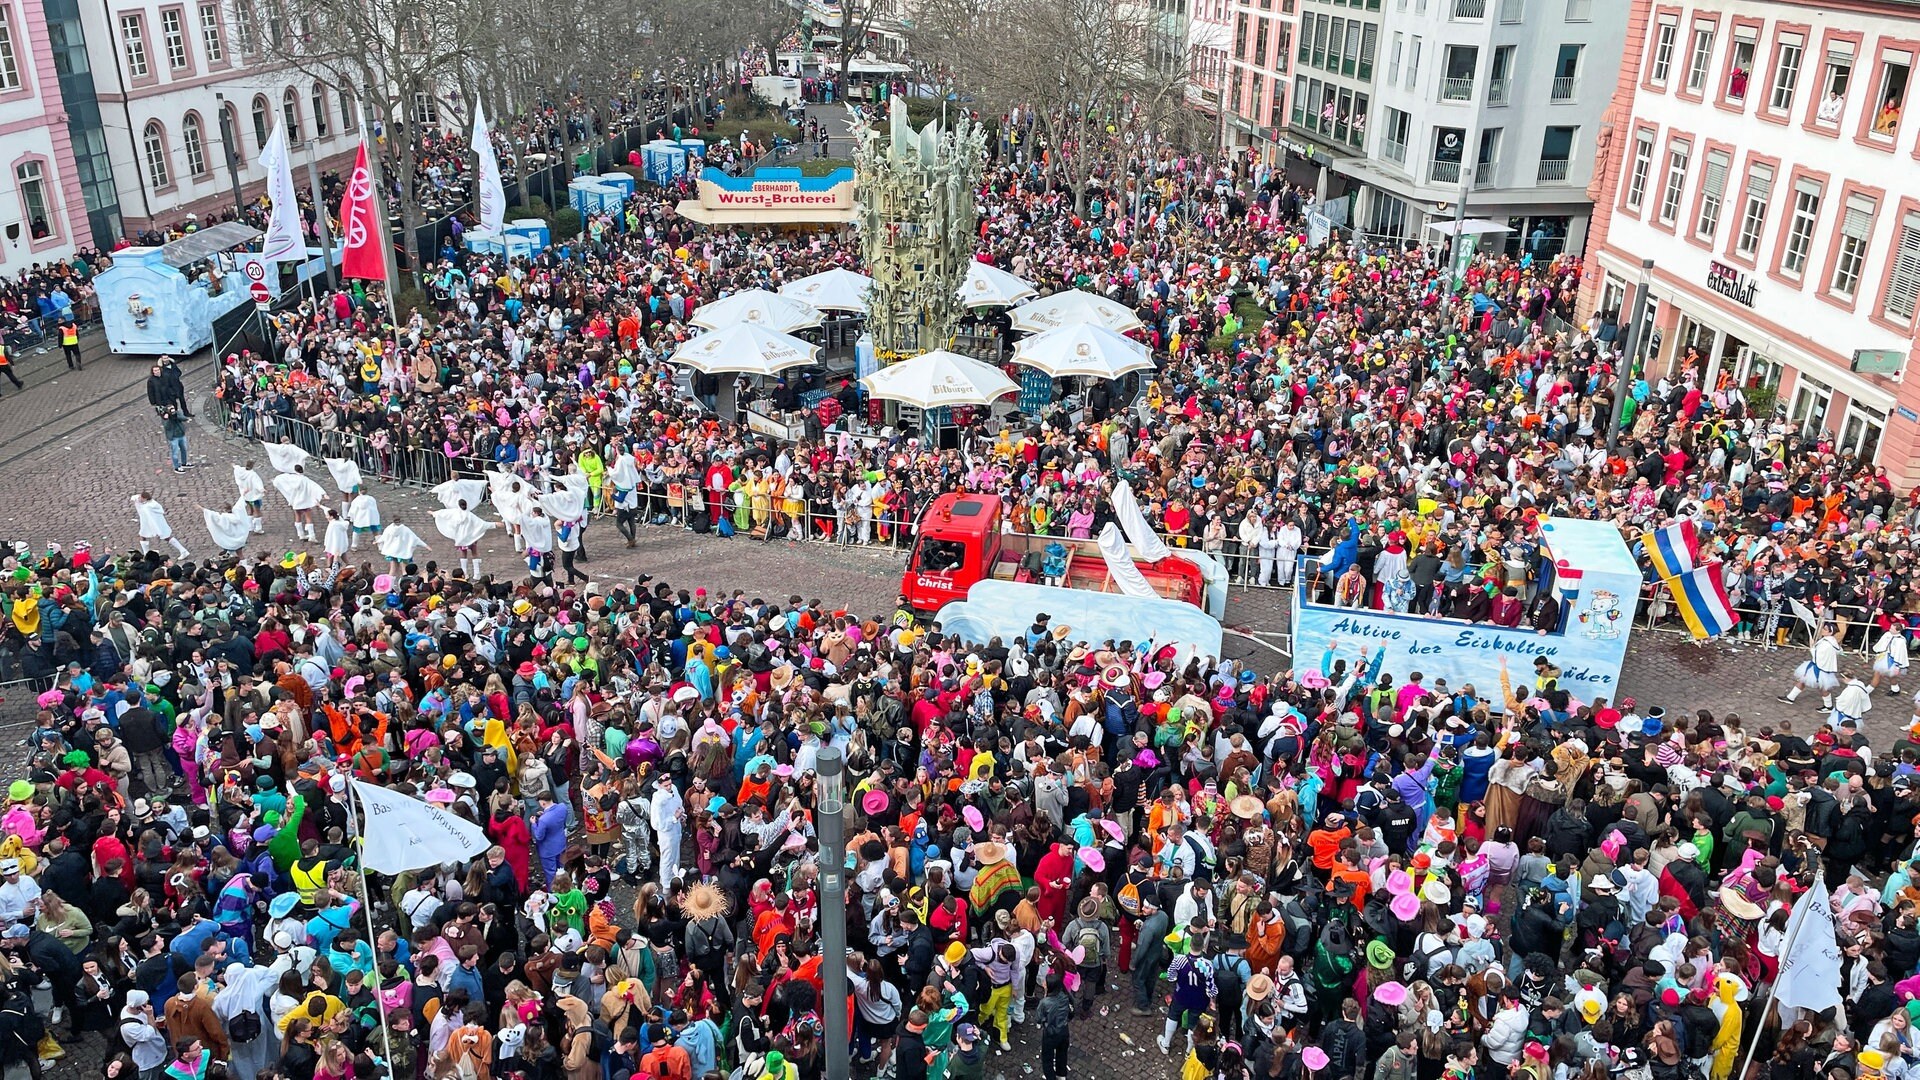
(1469, 9)
(1395, 152)
(1563, 88)
(1443, 172)
(1456, 89)
(1553, 172)
(1483, 174)
(1497, 91)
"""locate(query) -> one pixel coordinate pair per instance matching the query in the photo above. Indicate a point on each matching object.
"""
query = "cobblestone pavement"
(74, 447)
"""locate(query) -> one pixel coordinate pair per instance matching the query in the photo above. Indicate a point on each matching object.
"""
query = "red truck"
(959, 542)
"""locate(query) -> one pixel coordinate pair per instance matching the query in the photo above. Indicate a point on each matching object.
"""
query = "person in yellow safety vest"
(70, 341)
(6, 366)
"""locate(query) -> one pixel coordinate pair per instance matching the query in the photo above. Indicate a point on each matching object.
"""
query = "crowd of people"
(1350, 875)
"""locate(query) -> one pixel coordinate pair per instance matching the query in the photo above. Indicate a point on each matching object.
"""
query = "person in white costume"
(302, 495)
(511, 497)
(625, 477)
(154, 526)
(461, 494)
(400, 544)
(231, 530)
(1852, 704)
(1821, 673)
(537, 532)
(1287, 541)
(363, 514)
(285, 457)
(465, 529)
(346, 475)
(253, 494)
(338, 539)
(1890, 657)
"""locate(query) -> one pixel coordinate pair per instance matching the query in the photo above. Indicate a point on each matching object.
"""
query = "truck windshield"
(940, 556)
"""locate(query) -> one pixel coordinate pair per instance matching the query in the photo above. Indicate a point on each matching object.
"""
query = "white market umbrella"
(756, 307)
(1082, 349)
(830, 290)
(987, 285)
(939, 379)
(1071, 307)
(746, 348)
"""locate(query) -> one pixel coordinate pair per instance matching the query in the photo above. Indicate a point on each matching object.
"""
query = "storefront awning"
(1469, 227)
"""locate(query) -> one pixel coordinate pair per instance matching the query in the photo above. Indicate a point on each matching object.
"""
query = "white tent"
(745, 347)
(756, 307)
(830, 290)
(989, 286)
(1071, 307)
(1082, 349)
(939, 379)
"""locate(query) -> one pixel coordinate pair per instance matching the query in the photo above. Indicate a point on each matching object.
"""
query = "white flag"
(489, 196)
(1810, 970)
(400, 832)
(284, 241)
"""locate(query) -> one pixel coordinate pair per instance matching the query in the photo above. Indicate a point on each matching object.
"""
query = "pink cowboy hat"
(1114, 830)
(383, 583)
(1400, 883)
(1091, 858)
(1391, 994)
(974, 818)
(1405, 907)
(874, 802)
(1314, 1058)
(1313, 680)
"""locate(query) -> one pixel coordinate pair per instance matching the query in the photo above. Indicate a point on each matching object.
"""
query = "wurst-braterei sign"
(771, 197)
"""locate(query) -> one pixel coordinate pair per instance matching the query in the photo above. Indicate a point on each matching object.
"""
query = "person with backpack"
(1231, 974)
(1055, 1017)
(1151, 956)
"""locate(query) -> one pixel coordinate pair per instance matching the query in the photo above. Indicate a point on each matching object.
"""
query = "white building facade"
(42, 212)
(1496, 100)
(1760, 156)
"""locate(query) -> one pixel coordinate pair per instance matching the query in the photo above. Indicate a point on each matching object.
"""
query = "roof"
(1594, 546)
(211, 240)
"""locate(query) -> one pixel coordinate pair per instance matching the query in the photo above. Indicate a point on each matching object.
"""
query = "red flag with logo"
(360, 231)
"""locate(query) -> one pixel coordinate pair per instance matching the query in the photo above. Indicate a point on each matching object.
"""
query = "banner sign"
(771, 196)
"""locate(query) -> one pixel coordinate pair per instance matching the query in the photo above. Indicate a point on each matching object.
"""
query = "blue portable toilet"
(695, 148)
(534, 230)
(623, 181)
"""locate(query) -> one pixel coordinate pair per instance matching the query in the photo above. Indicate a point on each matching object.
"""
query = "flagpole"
(366, 908)
(1794, 926)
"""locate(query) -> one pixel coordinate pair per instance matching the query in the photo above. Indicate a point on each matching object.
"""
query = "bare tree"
(392, 54)
(1084, 68)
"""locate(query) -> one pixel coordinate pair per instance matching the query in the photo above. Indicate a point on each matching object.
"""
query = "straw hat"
(1248, 807)
(705, 901)
(1737, 904)
(989, 852)
(782, 677)
(1260, 987)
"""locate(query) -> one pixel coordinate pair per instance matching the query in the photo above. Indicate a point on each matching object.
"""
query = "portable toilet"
(482, 243)
(695, 148)
(623, 181)
(534, 230)
(577, 194)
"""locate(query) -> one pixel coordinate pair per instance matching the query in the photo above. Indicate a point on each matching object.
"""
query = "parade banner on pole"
(361, 256)
(404, 833)
(284, 241)
(1810, 967)
(488, 191)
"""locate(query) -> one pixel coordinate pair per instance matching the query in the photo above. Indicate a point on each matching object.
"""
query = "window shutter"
(1859, 220)
(1716, 182)
(1903, 284)
(1807, 186)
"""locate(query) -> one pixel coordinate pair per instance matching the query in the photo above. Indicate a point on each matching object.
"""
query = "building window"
(1892, 95)
(1393, 138)
(1642, 166)
(1903, 280)
(1806, 215)
(290, 109)
(1566, 72)
(210, 33)
(192, 141)
(1834, 81)
(1740, 63)
(1713, 194)
(156, 148)
(1556, 154)
(1753, 216)
(134, 35)
(1579, 10)
(173, 33)
(33, 198)
(9, 64)
(1240, 36)
(1676, 182)
(1699, 58)
(1662, 66)
(243, 25)
(1786, 72)
(319, 111)
(262, 121)
(1850, 257)
(1456, 84)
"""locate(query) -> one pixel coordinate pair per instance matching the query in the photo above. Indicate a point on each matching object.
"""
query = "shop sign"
(1729, 282)
(1879, 361)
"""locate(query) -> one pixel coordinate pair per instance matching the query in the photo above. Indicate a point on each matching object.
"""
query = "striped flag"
(1700, 596)
(1568, 576)
(1672, 549)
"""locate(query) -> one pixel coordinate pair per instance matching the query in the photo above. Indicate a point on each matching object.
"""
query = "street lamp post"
(1630, 351)
(320, 212)
(831, 766)
(227, 136)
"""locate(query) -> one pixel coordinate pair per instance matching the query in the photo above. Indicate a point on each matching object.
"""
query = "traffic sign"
(256, 270)
(261, 294)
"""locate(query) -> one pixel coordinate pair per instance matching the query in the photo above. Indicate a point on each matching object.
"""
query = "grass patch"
(816, 166)
(760, 130)
(1252, 318)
